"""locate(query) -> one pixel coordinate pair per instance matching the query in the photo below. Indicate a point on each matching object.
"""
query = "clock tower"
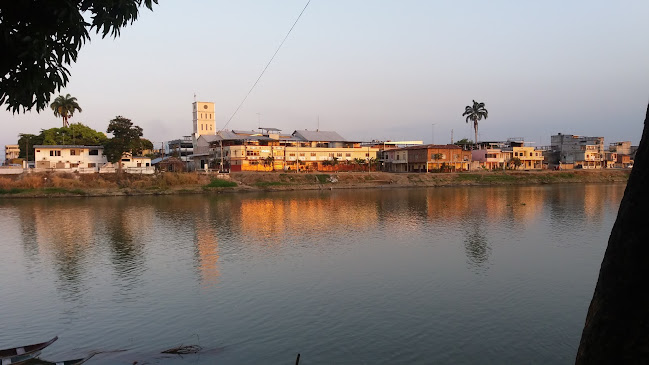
(203, 118)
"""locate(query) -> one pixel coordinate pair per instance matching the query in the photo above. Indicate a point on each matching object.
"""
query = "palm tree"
(475, 113)
(64, 107)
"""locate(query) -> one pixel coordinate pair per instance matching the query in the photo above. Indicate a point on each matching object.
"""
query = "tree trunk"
(475, 128)
(617, 324)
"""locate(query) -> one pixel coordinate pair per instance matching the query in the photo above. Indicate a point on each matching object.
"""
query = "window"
(301, 154)
(74, 165)
(292, 154)
(55, 153)
(73, 152)
(312, 154)
(201, 127)
(139, 164)
(252, 153)
(92, 164)
(348, 154)
(367, 154)
(126, 160)
(339, 154)
(331, 154)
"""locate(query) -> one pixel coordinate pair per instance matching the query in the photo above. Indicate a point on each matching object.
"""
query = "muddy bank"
(67, 184)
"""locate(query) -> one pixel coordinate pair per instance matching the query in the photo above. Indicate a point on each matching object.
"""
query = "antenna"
(318, 129)
(258, 120)
(451, 136)
(194, 97)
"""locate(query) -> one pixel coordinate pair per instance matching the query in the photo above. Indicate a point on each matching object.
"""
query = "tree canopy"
(475, 113)
(126, 138)
(40, 38)
(76, 134)
(64, 107)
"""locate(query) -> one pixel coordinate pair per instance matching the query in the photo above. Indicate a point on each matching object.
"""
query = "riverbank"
(68, 184)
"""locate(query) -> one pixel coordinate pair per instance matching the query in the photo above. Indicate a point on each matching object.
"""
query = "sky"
(385, 70)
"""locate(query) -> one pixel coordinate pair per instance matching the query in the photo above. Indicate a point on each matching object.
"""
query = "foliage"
(333, 162)
(323, 178)
(221, 183)
(76, 133)
(262, 184)
(463, 141)
(126, 138)
(26, 142)
(12, 191)
(64, 107)
(40, 38)
(516, 162)
(475, 113)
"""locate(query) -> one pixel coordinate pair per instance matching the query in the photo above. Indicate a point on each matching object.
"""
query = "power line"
(268, 64)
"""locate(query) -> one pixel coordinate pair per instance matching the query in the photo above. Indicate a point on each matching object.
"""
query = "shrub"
(220, 183)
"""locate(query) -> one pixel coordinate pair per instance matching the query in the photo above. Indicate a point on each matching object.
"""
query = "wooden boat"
(66, 362)
(21, 354)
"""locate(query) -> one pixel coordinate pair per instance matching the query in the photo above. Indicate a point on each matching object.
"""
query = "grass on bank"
(13, 191)
(221, 183)
(263, 184)
(487, 178)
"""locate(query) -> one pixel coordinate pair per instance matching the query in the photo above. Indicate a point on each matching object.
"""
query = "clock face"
(204, 106)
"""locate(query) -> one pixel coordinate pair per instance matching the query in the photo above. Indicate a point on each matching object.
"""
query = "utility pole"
(433, 133)
(221, 143)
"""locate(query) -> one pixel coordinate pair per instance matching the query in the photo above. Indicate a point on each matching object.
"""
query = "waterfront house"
(11, 152)
(73, 158)
(131, 165)
(427, 158)
(574, 151)
(269, 149)
(491, 158)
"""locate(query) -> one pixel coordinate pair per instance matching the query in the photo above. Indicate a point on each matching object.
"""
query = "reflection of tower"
(208, 255)
(203, 119)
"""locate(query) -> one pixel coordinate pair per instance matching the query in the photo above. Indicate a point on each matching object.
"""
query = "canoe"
(66, 362)
(20, 354)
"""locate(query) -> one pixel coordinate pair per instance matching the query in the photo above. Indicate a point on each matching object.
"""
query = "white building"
(11, 152)
(69, 157)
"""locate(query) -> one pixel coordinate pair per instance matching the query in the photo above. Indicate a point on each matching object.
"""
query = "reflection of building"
(208, 254)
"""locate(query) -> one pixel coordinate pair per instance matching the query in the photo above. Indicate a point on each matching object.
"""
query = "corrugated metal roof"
(319, 136)
(432, 146)
(65, 146)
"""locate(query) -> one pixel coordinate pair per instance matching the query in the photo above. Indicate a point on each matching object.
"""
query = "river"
(454, 275)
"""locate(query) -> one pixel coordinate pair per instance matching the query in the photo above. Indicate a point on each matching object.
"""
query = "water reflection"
(391, 271)
(69, 231)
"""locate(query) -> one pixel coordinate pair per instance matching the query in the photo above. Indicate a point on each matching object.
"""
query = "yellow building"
(268, 150)
(530, 158)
